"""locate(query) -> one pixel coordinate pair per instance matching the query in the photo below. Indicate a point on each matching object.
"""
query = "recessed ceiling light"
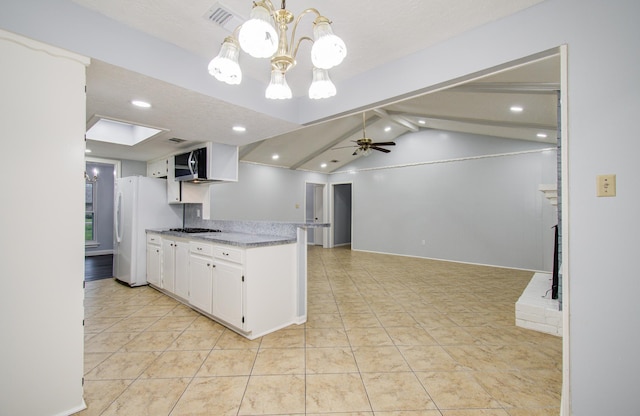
(387, 129)
(239, 129)
(324, 165)
(141, 104)
(422, 122)
(516, 109)
(275, 157)
(87, 150)
(542, 135)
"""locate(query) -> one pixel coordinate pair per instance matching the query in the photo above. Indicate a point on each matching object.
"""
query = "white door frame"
(325, 216)
(332, 213)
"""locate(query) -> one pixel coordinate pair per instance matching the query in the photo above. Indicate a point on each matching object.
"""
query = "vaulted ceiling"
(375, 36)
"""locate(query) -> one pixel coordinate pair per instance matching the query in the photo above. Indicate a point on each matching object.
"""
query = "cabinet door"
(200, 282)
(154, 261)
(228, 296)
(168, 265)
(181, 259)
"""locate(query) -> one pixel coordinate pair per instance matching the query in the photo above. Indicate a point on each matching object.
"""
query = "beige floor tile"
(396, 391)
(453, 335)
(237, 362)
(360, 320)
(175, 364)
(196, 340)
(329, 393)
(384, 324)
(202, 323)
(380, 359)
(148, 398)
(456, 390)
(523, 389)
(414, 335)
(279, 361)
(326, 337)
(429, 358)
(269, 395)
(324, 320)
(475, 412)
(330, 360)
(92, 359)
(172, 323)
(220, 396)
(376, 336)
(99, 394)
(229, 340)
(108, 341)
(122, 365)
(285, 338)
(151, 341)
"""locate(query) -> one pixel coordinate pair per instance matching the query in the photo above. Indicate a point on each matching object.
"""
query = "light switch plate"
(606, 185)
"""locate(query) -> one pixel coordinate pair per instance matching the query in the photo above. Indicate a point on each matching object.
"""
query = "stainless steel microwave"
(193, 166)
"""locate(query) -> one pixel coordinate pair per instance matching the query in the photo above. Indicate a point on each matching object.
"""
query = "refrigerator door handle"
(118, 217)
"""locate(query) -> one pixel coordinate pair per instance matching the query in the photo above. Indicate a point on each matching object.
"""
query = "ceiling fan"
(365, 144)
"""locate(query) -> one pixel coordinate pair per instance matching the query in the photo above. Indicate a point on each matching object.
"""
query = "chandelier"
(264, 35)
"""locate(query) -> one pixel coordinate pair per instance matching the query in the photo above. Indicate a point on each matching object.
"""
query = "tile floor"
(386, 335)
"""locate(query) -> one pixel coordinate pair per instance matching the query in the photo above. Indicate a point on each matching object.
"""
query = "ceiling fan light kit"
(264, 35)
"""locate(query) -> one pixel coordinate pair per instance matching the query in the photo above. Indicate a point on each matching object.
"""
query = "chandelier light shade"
(328, 50)
(278, 88)
(321, 87)
(258, 36)
(225, 67)
(264, 35)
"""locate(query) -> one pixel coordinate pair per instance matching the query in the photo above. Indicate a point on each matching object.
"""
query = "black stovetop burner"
(195, 230)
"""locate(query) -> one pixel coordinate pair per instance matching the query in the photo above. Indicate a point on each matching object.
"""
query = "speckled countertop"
(231, 238)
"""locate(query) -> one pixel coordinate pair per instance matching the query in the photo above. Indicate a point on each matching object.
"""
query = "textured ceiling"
(375, 36)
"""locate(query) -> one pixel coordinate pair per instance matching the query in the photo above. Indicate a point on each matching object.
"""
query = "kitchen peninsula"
(250, 276)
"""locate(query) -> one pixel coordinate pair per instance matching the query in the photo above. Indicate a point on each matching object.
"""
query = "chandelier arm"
(295, 27)
(295, 51)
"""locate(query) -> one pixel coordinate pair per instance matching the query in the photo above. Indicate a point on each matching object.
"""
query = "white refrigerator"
(140, 204)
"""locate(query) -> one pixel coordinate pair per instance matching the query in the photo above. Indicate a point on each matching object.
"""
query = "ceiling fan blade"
(355, 153)
(383, 144)
(380, 149)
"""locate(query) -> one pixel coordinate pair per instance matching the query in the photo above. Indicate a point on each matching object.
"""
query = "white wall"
(42, 106)
(447, 196)
(263, 193)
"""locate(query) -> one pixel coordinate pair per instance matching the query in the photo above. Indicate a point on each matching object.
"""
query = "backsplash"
(284, 229)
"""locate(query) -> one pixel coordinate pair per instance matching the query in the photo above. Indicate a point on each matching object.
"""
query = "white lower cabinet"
(175, 266)
(228, 287)
(201, 276)
(154, 259)
(250, 290)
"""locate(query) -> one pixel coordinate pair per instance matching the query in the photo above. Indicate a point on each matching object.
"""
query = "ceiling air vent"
(177, 140)
(222, 16)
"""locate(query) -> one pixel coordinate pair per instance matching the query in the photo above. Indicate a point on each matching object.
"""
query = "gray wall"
(473, 199)
(263, 193)
(342, 207)
(133, 168)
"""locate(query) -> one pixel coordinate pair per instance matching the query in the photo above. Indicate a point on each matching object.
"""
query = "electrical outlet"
(606, 185)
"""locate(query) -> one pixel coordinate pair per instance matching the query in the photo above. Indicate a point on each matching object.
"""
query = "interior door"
(318, 213)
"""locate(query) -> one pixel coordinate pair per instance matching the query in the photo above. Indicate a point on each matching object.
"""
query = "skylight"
(119, 132)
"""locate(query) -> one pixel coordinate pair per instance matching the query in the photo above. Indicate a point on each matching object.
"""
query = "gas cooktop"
(195, 230)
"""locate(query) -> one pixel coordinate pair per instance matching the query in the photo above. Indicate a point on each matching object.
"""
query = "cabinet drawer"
(204, 249)
(228, 253)
(153, 238)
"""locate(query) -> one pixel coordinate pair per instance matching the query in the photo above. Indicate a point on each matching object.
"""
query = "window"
(89, 213)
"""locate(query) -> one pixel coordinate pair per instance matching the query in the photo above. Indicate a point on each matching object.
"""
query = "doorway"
(342, 209)
(315, 212)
